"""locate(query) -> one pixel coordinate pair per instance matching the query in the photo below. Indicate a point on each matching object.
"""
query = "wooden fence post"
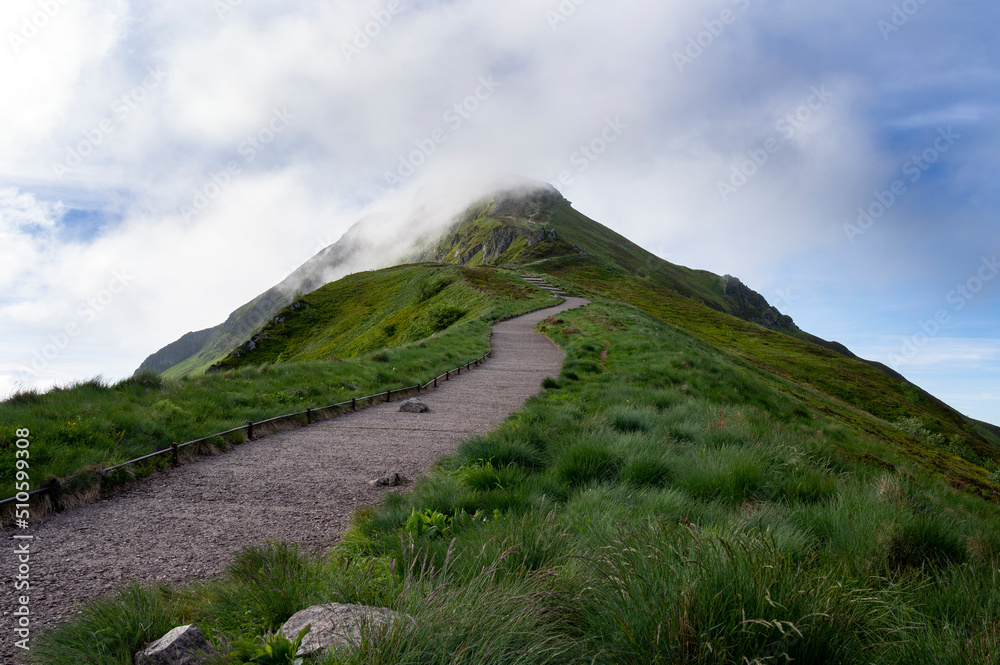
(173, 447)
(250, 430)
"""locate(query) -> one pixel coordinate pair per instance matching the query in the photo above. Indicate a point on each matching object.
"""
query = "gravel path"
(298, 486)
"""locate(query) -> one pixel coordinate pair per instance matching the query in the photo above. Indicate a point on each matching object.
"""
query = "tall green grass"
(667, 505)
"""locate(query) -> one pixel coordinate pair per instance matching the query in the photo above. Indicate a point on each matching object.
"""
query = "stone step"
(539, 282)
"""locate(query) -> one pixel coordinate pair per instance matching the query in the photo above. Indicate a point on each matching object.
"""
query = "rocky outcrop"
(336, 624)
(750, 306)
(498, 242)
(184, 645)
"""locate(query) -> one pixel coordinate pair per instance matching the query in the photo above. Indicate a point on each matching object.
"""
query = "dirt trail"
(298, 486)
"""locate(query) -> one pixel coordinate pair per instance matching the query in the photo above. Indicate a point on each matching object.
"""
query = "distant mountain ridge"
(356, 250)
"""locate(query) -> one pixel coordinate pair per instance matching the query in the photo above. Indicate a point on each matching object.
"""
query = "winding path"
(300, 486)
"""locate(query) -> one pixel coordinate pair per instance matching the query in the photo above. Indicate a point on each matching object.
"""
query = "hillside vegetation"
(441, 317)
(703, 483)
(541, 233)
(661, 502)
(368, 311)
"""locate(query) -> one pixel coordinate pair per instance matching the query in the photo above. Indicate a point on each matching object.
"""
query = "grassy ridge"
(78, 430)
(851, 389)
(368, 311)
(661, 502)
(598, 240)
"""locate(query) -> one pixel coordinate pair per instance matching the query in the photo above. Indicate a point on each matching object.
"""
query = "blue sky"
(162, 164)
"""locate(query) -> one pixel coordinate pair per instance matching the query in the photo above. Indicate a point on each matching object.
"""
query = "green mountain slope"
(703, 482)
(513, 227)
(361, 335)
(541, 233)
(522, 226)
(195, 352)
(384, 308)
(661, 501)
(533, 228)
(870, 399)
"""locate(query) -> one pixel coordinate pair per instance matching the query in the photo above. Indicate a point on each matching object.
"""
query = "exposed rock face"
(336, 624)
(414, 405)
(498, 242)
(753, 307)
(184, 645)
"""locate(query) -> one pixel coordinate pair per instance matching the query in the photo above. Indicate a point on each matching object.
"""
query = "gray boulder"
(184, 645)
(414, 405)
(336, 624)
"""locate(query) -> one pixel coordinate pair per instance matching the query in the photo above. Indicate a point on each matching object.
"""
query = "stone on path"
(414, 405)
(391, 480)
(336, 624)
(184, 645)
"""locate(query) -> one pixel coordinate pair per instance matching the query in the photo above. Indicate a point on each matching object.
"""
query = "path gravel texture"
(299, 486)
